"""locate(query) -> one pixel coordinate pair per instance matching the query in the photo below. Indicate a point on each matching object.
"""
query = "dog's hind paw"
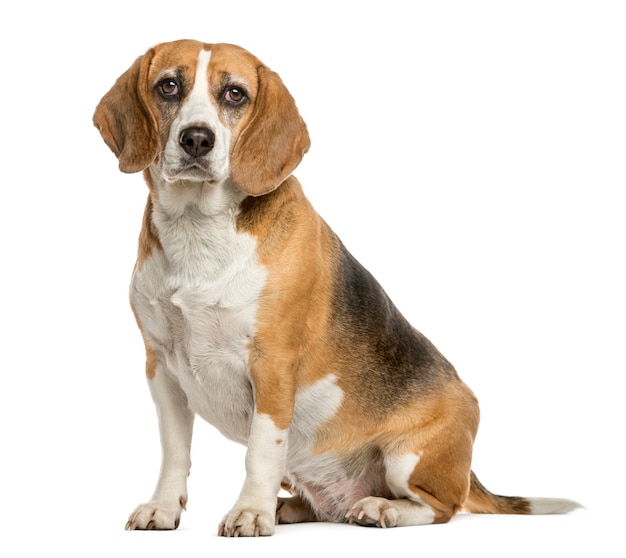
(373, 511)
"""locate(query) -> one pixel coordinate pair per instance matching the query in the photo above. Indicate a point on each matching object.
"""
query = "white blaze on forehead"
(198, 108)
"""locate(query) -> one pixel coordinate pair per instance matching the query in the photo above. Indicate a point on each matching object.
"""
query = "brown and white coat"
(256, 317)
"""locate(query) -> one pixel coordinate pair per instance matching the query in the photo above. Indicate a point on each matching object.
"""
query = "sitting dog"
(256, 317)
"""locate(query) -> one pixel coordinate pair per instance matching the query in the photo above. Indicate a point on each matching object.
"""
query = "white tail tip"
(543, 506)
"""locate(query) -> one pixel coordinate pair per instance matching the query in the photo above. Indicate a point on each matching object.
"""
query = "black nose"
(197, 141)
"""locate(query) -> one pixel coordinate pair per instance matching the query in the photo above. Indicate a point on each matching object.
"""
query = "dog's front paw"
(156, 516)
(244, 522)
(373, 511)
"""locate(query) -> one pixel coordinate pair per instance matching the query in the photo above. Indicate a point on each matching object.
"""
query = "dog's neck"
(196, 222)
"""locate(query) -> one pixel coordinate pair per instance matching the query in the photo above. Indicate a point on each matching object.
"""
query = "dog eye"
(234, 95)
(169, 88)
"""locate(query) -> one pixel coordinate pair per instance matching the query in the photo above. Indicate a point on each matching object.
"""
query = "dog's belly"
(332, 486)
(331, 483)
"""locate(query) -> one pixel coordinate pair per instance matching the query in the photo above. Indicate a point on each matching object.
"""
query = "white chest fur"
(197, 300)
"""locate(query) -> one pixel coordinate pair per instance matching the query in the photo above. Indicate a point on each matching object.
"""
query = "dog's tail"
(480, 500)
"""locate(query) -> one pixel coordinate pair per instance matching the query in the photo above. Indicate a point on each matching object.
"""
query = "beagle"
(256, 317)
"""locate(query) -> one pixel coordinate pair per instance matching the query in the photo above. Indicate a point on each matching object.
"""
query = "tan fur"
(151, 360)
(125, 118)
(294, 243)
(480, 500)
(275, 125)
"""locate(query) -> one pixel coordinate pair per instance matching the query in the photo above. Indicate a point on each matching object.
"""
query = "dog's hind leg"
(427, 464)
(411, 505)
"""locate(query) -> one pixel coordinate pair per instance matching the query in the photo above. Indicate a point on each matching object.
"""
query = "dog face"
(219, 115)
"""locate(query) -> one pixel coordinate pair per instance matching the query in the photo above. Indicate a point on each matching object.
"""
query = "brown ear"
(272, 142)
(124, 120)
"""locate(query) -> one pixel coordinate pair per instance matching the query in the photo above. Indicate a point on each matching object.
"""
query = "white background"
(470, 154)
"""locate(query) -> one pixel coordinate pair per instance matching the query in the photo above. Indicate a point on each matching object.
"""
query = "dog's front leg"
(175, 426)
(254, 513)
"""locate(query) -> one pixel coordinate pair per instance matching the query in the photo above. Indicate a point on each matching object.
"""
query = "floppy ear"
(272, 142)
(124, 120)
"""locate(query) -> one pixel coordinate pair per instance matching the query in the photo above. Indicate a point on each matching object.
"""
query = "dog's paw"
(156, 516)
(293, 510)
(373, 511)
(243, 522)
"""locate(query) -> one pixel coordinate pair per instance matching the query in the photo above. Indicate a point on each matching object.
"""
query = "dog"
(256, 317)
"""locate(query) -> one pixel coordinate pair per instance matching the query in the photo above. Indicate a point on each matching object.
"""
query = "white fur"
(175, 427)
(314, 405)
(197, 302)
(255, 509)
(542, 506)
(390, 513)
(197, 110)
(399, 469)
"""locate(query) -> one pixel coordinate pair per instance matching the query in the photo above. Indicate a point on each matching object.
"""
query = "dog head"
(204, 113)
